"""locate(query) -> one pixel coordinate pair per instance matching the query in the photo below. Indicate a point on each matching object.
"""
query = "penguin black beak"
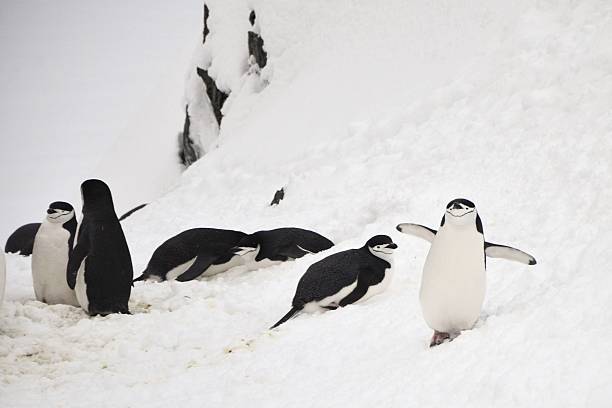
(392, 245)
(50, 211)
(456, 206)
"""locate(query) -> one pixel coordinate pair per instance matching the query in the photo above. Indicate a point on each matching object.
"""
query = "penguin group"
(88, 264)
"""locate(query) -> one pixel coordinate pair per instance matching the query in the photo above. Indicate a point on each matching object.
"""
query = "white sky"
(71, 75)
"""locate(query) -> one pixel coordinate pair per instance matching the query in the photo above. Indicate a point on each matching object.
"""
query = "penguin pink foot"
(438, 338)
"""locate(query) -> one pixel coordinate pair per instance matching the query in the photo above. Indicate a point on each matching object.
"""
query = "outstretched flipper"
(506, 252)
(417, 230)
(286, 317)
(201, 264)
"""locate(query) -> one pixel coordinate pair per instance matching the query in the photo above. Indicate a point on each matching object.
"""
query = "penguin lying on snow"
(208, 251)
(22, 239)
(344, 278)
(192, 253)
(454, 279)
(52, 248)
(100, 267)
(283, 244)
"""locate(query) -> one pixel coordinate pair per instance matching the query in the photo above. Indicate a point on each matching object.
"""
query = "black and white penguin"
(100, 266)
(454, 277)
(282, 244)
(52, 247)
(21, 241)
(196, 252)
(344, 278)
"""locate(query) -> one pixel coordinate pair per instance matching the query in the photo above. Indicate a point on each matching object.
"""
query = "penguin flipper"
(286, 317)
(293, 251)
(360, 290)
(78, 254)
(417, 230)
(509, 253)
(199, 266)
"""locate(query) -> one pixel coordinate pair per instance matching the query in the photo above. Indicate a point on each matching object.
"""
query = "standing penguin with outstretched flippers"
(454, 275)
(100, 266)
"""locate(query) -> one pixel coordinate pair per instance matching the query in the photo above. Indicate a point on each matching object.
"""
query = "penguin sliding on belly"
(203, 252)
(100, 266)
(344, 278)
(193, 253)
(51, 251)
(281, 245)
(454, 277)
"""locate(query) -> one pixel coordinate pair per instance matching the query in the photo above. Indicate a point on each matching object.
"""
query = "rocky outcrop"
(256, 43)
(278, 196)
(216, 96)
(205, 31)
(188, 151)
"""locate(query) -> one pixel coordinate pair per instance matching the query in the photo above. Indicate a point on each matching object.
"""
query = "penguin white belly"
(454, 280)
(380, 287)
(254, 265)
(49, 262)
(236, 260)
(80, 287)
(331, 300)
(178, 270)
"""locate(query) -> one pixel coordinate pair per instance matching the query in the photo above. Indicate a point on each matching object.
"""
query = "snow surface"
(374, 115)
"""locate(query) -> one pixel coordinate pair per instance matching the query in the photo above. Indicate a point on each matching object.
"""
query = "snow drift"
(370, 115)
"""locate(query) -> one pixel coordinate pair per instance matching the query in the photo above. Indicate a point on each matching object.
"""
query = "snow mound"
(373, 115)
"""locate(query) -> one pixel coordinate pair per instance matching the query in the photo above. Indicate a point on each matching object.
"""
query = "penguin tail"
(286, 317)
(140, 278)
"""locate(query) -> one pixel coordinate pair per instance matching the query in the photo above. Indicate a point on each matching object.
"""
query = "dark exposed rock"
(205, 31)
(188, 152)
(216, 96)
(278, 196)
(256, 44)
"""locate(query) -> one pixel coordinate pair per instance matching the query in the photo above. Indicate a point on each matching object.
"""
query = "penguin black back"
(344, 278)
(101, 255)
(210, 245)
(282, 244)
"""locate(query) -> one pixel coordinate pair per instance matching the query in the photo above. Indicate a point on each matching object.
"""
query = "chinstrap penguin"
(454, 275)
(281, 244)
(196, 252)
(52, 248)
(344, 278)
(100, 267)
(21, 241)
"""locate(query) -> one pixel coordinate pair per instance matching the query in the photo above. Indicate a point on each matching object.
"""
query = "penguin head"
(460, 212)
(97, 198)
(381, 245)
(59, 212)
(247, 248)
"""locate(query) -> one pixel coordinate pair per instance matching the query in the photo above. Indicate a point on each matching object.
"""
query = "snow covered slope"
(373, 115)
